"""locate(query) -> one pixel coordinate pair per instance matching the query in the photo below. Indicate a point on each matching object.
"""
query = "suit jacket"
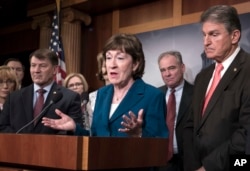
(18, 110)
(248, 141)
(185, 104)
(222, 129)
(139, 96)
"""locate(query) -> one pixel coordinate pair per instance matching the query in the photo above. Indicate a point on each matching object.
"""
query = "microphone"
(85, 100)
(85, 97)
(56, 97)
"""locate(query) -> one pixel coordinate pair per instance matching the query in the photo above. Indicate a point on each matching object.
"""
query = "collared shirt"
(178, 94)
(225, 64)
(36, 87)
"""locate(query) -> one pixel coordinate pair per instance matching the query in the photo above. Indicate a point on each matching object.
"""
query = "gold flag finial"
(58, 5)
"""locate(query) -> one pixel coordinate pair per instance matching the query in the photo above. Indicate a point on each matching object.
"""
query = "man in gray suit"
(216, 128)
(172, 70)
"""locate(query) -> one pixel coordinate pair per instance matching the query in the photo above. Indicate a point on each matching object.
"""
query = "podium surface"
(41, 152)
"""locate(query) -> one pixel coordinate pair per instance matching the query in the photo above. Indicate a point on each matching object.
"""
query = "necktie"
(215, 82)
(39, 103)
(171, 110)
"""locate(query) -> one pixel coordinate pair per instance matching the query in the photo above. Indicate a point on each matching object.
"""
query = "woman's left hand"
(132, 125)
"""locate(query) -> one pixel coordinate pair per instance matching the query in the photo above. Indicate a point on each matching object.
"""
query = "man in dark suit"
(217, 126)
(248, 141)
(18, 108)
(17, 66)
(172, 70)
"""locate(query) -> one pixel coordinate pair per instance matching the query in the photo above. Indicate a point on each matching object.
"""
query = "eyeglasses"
(74, 85)
(7, 82)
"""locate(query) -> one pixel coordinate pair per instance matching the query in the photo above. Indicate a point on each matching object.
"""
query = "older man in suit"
(172, 70)
(219, 113)
(18, 112)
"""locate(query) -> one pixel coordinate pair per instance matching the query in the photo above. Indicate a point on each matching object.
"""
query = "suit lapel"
(203, 89)
(106, 104)
(54, 88)
(185, 101)
(134, 95)
(27, 101)
(229, 75)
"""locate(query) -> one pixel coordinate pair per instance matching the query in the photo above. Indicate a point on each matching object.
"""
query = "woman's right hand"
(65, 123)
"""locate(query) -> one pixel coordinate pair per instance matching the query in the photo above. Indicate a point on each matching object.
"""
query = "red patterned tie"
(39, 103)
(171, 112)
(214, 84)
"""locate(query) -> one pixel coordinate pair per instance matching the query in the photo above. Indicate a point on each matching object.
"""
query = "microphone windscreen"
(85, 96)
(57, 96)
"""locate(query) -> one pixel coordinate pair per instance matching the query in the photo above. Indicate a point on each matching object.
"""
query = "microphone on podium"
(56, 97)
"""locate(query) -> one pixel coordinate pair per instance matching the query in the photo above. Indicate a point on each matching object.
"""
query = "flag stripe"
(56, 46)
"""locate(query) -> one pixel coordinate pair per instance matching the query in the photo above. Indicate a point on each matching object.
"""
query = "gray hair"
(174, 53)
(223, 14)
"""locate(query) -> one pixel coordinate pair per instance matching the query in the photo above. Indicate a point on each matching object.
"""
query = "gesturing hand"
(132, 125)
(65, 123)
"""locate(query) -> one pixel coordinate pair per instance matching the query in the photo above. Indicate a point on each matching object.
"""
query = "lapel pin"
(235, 69)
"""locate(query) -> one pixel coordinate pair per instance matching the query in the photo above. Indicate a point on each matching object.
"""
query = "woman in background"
(8, 83)
(78, 83)
(102, 76)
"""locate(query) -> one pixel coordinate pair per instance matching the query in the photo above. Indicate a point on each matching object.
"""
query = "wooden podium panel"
(110, 153)
(59, 152)
(50, 151)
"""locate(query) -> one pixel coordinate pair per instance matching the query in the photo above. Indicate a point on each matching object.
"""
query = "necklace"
(120, 97)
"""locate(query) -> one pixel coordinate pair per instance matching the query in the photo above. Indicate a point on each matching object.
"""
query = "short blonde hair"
(82, 78)
(7, 73)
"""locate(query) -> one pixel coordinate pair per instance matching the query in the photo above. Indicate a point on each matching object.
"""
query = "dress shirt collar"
(47, 88)
(179, 87)
(229, 60)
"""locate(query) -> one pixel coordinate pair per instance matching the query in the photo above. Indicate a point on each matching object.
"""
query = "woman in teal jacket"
(128, 106)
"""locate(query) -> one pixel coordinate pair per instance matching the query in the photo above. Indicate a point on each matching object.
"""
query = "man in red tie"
(24, 108)
(178, 97)
(220, 110)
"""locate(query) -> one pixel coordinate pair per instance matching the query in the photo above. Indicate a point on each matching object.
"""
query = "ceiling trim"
(51, 7)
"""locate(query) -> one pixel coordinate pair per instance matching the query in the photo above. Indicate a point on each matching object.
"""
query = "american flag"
(56, 45)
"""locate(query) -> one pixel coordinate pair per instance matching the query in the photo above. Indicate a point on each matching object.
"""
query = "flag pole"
(57, 46)
(58, 8)
(58, 5)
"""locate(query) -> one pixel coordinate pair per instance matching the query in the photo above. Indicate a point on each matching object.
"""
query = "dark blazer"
(222, 129)
(248, 141)
(185, 103)
(139, 96)
(18, 110)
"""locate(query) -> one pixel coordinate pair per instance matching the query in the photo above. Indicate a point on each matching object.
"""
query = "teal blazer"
(139, 96)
